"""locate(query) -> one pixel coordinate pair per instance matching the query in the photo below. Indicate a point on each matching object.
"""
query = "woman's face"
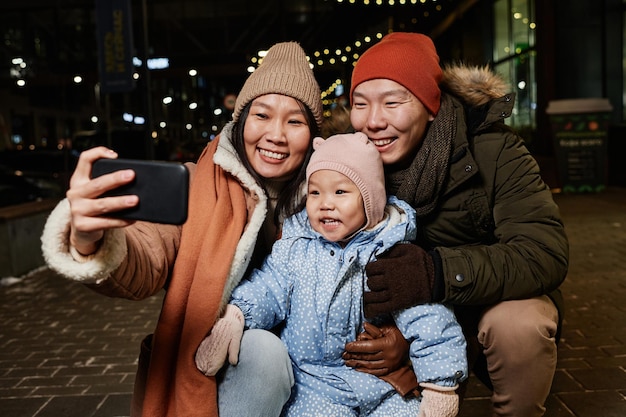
(276, 136)
(391, 117)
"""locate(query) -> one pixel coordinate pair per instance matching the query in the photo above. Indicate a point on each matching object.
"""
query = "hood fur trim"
(476, 85)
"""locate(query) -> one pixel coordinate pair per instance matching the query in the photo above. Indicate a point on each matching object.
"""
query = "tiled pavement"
(68, 352)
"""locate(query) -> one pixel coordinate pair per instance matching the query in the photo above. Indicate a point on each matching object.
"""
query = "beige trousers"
(516, 340)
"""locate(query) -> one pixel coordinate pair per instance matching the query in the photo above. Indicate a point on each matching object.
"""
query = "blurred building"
(189, 58)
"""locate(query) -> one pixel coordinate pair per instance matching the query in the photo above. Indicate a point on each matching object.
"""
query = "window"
(514, 56)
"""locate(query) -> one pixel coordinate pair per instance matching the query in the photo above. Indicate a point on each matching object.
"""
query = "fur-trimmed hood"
(474, 85)
(484, 94)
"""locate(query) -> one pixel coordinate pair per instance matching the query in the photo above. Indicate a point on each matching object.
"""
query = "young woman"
(246, 181)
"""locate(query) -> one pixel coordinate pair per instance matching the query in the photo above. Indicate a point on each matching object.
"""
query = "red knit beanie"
(410, 59)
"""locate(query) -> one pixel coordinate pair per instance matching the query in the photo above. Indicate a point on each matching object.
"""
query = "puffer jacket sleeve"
(263, 296)
(132, 263)
(145, 271)
(437, 345)
(530, 254)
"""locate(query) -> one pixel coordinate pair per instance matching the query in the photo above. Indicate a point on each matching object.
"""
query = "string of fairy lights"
(348, 53)
(329, 56)
(381, 2)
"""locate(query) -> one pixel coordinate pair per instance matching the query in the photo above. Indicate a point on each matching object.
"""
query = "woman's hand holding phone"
(107, 192)
(88, 211)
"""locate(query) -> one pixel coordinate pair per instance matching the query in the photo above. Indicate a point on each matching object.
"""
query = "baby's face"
(334, 205)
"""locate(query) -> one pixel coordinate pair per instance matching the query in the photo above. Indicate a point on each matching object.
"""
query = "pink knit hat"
(410, 59)
(354, 156)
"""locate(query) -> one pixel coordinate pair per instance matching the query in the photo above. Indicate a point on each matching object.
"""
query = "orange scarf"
(216, 221)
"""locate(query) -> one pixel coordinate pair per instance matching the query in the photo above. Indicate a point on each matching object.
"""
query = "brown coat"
(198, 269)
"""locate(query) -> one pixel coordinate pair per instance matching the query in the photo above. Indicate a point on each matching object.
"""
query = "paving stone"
(15, 392)
(569, 363)
(121, 368)
(44, 382)
(554, 408)
(27, 372)
(473, 407)
(90, 380)
(114, 406)
(595, 404)
(72, 406)
(82, 370)
(119, 388)
(21, 407)
(564, 382)
(610, 362)
(43, 391)
(615, 350)
(580, 353)
(600, 378)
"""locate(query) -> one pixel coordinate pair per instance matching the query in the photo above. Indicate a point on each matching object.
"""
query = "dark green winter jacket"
(497, 228)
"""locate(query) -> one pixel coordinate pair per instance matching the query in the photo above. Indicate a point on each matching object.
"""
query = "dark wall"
(470, 38)
(579, 49)
(588, 51)
(580, 55)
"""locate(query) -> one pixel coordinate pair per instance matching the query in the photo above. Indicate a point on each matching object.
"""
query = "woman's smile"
(272, 154)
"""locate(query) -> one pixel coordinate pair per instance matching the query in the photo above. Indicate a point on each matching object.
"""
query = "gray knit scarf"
(421, 183)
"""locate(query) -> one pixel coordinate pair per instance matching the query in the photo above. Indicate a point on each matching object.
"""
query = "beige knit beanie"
(284, 70)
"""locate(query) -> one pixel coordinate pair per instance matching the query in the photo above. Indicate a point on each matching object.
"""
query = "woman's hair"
(289, 201)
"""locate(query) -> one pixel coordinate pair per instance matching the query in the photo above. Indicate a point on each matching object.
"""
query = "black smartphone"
(162, 187)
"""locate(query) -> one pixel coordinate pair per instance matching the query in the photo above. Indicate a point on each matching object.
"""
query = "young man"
(490, 238)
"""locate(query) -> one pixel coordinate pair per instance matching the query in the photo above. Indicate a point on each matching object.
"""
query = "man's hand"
(377, 351)
(224, 340)
(402, 277)
(383, 352)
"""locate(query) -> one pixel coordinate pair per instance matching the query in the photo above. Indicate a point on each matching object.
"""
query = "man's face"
(391, 117)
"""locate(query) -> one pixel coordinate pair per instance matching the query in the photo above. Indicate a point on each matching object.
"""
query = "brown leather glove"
(404, 381)
(383, 352)
(402, 277)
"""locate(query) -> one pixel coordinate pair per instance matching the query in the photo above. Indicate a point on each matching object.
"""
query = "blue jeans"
(260, 384)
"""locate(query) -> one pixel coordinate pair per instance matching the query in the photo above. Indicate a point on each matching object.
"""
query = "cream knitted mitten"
(224, 340)
(438, 401)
